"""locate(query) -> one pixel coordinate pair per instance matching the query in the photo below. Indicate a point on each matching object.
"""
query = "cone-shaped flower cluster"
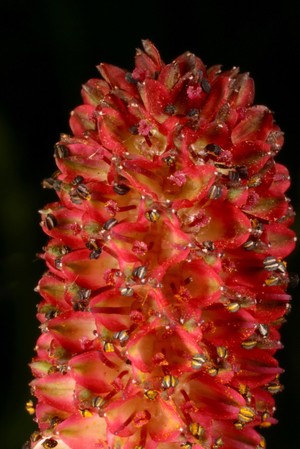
(166, 284)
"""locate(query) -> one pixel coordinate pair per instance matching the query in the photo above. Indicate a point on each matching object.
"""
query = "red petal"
(281, 240)
(228, 226)
(66, 226)
(257, 367)
(217, 400)
(269, 207)
(53, 290)
(169, 75)
(148, 61)
(224, 328)
(120, 413)
(248, 438)
(86, 272)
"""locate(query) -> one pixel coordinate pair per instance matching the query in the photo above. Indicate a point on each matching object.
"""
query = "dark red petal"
(216, 98)
(156, 98)
(82, 119)
(243, 91)
(255, 126)
(219, 401)
(116, 77)
(281, 180)
(94, 91)
(252, 154)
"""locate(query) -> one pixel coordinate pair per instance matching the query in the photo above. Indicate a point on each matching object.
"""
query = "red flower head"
(167, 282)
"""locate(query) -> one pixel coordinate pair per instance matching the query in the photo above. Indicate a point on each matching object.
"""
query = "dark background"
(48, 49)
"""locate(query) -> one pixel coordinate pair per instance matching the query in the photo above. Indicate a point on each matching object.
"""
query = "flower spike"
(166, 282)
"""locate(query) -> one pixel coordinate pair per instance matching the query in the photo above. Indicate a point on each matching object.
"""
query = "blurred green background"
(48, 49)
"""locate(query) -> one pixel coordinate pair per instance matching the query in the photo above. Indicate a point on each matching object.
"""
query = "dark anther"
(83, 192)
(205, 85)
(233, 176)
(129, 78)
(193, 112)
(110, 224)
(134, 130)
(242, 171)
(170, 109)
(121, 189)
(50, 222)
(213, 149)
(77, 180)
(60, 151)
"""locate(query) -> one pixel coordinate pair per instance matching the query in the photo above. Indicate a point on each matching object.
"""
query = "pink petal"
(165, 422)
(112, 310)
(79, 432)
(53, 290)
(176, 344)
(56, 390)
(73, 329)
(92, 371)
